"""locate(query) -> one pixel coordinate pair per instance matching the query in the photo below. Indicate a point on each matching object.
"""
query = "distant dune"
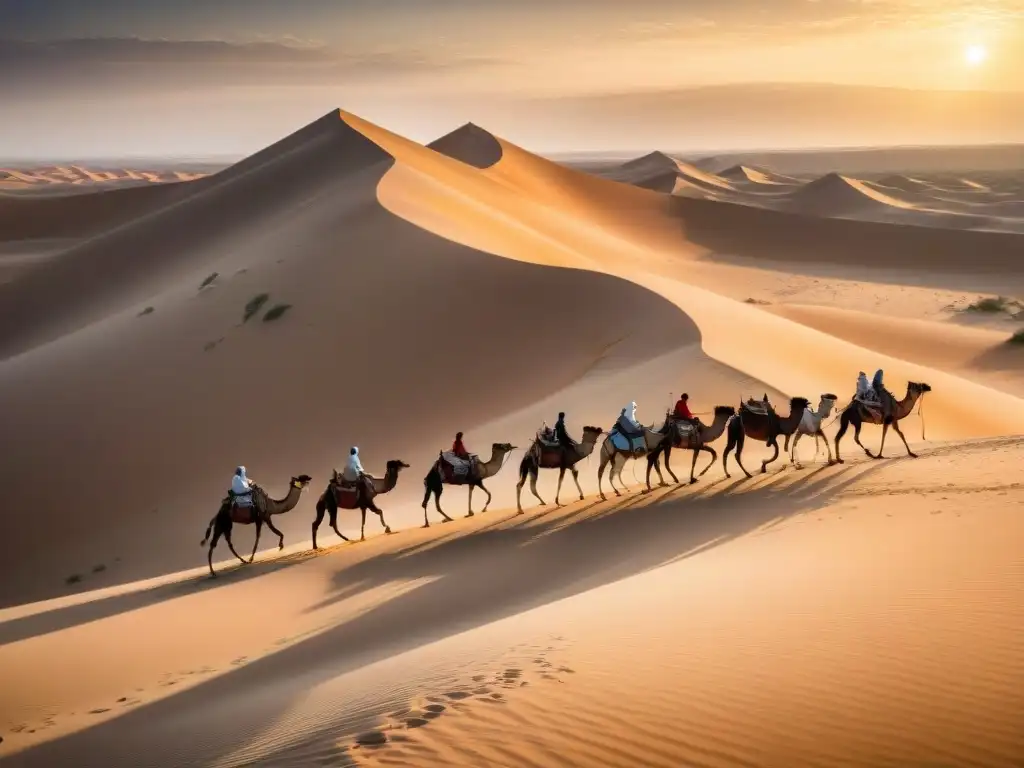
(347, 286)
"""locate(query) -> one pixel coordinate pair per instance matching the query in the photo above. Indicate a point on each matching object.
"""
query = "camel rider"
(459, 449)
(561, 434)
(863, 387)
(241, 488)
(627, 423)
(877, 384)
(682, 410)
(354, 474)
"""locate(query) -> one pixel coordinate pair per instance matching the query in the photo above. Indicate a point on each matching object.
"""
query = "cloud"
(105, 61)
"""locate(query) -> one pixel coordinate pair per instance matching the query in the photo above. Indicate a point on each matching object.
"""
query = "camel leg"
(714, 458)
(652, 459)
(774, 444)
(534, 474)
(611, 476)
(740, 441)
(821, 434)
(881, 445)
(844, 424)
(856, 439)
(488, 502)
(524, 470)
(558, 490)
(600, 474)
(380, 513)
(217, 533)
(320, 512)
(896, 426)
(280, 536)
(470, 501)
(576, 479)
(668, 464)
(362, 525)
(693, 466)
(333, 513)
(231, 545)
(792, 451)
(259, 530)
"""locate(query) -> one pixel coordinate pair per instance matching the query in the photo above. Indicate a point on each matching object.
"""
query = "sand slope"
(839, 616)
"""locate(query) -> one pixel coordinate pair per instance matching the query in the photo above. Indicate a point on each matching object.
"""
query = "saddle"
(756, 407)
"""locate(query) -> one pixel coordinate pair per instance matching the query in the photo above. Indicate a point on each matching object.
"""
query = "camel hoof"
(447, 520)
(693, 480)
(603, 497)
(663, 485)
(470, 515)
(387, 530)
(425, 525)
(912, 455)
(520, 512)
(581, 497)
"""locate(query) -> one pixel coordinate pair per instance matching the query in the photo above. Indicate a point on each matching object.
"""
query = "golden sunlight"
(975, 55)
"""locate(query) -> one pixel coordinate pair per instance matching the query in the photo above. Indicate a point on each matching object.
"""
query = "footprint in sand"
(512, 674)
(99, 711)
(415, 722)
(458, 695)
(433, 710)
(372, 739)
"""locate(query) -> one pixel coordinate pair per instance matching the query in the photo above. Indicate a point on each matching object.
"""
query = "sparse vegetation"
(755, 301)
(275, 312)
(991, 304)
(99, 568)
(254, 305)
(209, 280)
(147, 311)
(74, 578)
(1017, 338)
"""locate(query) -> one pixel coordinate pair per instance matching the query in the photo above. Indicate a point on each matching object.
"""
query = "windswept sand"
(863, 614)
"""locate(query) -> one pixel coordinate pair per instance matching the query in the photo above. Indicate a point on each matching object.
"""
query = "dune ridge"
(849, 615)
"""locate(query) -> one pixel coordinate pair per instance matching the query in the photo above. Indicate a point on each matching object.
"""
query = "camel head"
(590, 434)
(301, 482)
(918, 387)
(503, 447)
(395, 465)
(798, 404)
(724, 410)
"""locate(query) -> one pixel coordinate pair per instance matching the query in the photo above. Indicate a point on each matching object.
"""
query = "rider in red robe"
(682, 410)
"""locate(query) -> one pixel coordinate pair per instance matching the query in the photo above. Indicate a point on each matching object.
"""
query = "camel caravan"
(353, 488)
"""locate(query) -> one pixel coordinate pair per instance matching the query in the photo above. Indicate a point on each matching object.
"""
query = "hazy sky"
(196, 74)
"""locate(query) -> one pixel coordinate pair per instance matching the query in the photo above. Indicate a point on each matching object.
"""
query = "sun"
(975, 55)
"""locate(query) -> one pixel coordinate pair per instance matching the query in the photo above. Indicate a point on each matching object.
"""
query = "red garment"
(682, 410)
(460, 450)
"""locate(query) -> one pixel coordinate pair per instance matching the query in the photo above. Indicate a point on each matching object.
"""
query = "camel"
(691, 438)
(611, 453)
(758, 420)
(264, 507)
(443, 473)
(888, 413)
(337, 496)
(543, 455)
(810, 424)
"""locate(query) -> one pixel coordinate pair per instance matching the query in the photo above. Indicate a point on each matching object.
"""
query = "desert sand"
(859, 614)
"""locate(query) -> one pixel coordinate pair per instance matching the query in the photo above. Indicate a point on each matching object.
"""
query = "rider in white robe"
(241, 488)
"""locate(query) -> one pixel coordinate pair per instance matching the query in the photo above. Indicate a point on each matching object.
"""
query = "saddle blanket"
(870, 402)
(459, 465)
(623, 443)
(244, 500)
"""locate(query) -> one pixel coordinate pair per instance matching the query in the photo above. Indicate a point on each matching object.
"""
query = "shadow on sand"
(553, 556)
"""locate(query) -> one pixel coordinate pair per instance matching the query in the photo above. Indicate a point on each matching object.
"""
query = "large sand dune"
(849, 615)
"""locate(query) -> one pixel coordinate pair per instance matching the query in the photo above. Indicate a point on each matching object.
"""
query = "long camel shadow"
(474, 579)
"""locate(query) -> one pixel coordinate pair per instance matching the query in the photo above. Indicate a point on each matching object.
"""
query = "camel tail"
(209, 530)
